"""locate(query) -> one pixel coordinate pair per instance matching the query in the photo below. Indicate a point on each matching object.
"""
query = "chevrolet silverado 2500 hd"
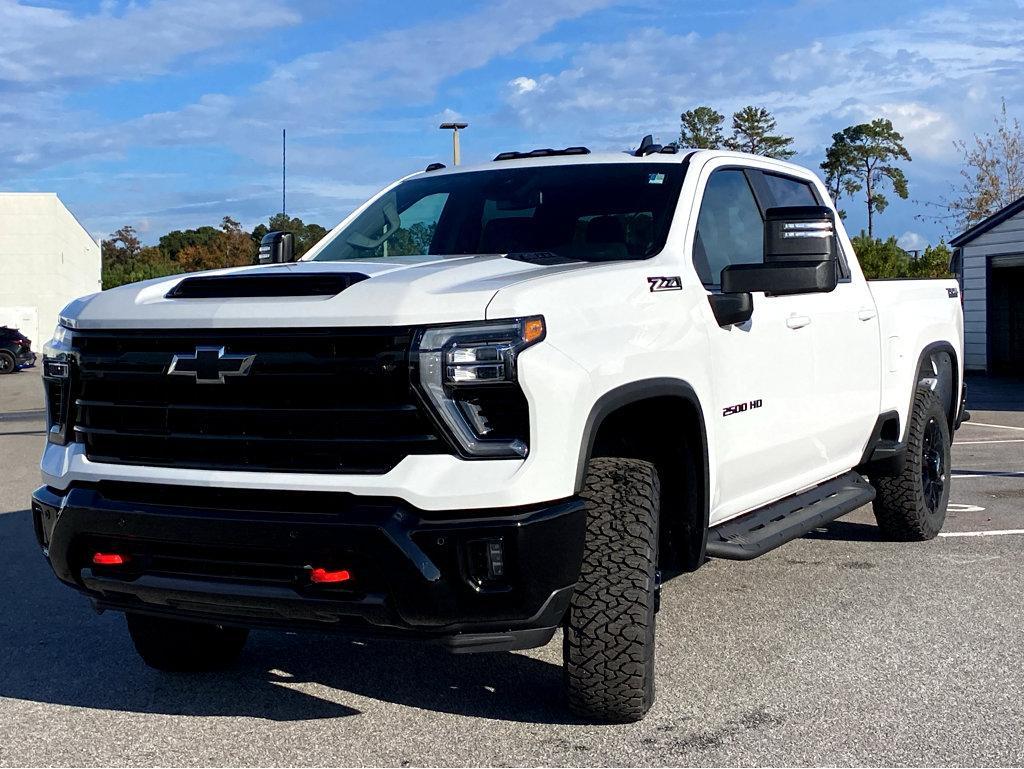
(494, 402)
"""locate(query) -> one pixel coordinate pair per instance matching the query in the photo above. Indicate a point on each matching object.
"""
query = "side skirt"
(759, 531)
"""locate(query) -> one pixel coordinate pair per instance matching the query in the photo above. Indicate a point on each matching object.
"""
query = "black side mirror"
(277, 247)
(800, 255)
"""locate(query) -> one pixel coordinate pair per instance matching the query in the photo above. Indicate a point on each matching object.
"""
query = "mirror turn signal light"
(320, 576)
(109, 559)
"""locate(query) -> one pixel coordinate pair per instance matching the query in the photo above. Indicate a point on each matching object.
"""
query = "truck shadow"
(57, 650)
(847, 531)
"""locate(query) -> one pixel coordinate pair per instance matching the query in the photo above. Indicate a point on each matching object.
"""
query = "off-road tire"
(608, 647)
(8, 365)
(906, 506)
(178, 646)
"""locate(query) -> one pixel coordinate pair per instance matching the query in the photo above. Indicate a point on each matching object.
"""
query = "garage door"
(1006, 317)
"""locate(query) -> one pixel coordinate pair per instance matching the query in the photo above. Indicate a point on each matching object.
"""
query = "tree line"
(126, 260)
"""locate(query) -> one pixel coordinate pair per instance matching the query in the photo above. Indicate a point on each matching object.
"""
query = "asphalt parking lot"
(836, 649)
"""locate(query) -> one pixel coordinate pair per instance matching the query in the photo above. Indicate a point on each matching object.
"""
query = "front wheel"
(912, 505)
(7, 363)
(608, 647)
(179, 646)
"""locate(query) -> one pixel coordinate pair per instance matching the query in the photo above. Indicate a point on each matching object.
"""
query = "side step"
(764, 529)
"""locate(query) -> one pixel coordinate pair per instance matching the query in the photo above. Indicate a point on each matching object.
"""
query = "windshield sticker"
(655, 178)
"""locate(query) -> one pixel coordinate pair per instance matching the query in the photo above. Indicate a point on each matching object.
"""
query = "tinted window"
(786, 191)
(730, 229)
(596, 211)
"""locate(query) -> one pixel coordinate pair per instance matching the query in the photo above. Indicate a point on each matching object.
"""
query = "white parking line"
(985, 424)
(978, 443)
(994, 533)
(987, 474)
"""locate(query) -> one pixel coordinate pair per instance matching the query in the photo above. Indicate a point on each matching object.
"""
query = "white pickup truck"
(495, 402)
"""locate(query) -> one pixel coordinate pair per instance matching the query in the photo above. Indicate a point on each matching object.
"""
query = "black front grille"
(313, 400)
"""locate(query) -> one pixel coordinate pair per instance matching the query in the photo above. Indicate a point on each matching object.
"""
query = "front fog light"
(467, 373)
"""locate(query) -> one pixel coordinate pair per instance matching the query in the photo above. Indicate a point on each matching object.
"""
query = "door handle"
(797, 321)
(867, 313)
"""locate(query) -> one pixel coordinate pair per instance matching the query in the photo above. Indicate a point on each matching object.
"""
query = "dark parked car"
(15, 350)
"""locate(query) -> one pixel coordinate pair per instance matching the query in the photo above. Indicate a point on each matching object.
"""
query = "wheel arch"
(642, 420)
(938, 369)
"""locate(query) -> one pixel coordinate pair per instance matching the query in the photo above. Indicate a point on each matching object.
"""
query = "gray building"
(989, 262)
(46, 259)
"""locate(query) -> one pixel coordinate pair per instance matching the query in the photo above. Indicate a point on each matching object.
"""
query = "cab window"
(730, 229)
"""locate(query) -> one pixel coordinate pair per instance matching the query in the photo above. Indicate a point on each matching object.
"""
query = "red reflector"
(323, 575)
(109, 559)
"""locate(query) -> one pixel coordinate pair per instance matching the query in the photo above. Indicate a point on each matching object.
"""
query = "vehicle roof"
(680, 156)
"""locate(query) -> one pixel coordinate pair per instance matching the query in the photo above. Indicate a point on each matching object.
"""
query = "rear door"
(765, 435)
(846, 349)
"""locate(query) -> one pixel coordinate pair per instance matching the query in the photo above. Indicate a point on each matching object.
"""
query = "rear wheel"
(912, 505)
(608, 647)
(179, 646)
(7, 362)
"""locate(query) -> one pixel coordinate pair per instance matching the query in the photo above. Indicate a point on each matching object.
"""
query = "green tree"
(885, 259)
(861, 158)
(174, 242)
(933, 263)
(230, 246)
(306, 235)
(753, 131)
(701, 128)
(122, 246)
(148, 262)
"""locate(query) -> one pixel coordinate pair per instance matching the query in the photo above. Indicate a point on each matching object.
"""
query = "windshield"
(589, 212)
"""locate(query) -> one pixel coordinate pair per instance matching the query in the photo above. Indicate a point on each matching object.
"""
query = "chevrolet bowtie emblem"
(209, 365)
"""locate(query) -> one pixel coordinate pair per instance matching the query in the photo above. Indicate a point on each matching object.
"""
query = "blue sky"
(167, 115)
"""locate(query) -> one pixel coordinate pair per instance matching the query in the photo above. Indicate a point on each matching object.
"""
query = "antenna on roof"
(284, 166)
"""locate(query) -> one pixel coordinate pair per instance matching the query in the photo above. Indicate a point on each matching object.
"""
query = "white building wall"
(1005, 239)
(46, 259)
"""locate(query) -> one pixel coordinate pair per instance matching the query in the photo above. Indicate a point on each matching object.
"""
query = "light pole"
(454, 128)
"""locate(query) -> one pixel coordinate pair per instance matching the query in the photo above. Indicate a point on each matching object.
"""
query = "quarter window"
(789, 192)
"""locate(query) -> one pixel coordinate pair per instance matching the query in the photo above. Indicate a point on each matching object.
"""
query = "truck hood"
(411, 290)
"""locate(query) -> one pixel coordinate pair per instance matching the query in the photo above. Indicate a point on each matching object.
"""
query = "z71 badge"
(665, 283)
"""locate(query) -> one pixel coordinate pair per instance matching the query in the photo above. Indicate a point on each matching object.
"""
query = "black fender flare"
(954, 402)
(634, 392)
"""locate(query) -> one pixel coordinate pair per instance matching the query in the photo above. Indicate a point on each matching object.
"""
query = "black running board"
(764, 529)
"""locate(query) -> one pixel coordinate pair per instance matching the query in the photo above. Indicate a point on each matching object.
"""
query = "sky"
(168, 114)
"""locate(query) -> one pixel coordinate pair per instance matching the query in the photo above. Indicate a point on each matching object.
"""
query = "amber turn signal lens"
(533, 329)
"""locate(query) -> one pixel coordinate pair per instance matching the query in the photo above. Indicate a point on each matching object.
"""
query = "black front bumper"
(245, 557)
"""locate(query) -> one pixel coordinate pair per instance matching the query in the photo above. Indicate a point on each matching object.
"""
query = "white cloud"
(523, 84)
(52, 45)
(912, 241)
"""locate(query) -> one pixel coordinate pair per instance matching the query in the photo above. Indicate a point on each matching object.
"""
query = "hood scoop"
(268, 285)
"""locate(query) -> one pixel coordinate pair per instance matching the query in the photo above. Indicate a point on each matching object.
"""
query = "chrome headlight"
(468, 376)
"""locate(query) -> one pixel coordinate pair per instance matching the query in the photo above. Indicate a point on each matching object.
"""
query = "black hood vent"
(271, 284)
